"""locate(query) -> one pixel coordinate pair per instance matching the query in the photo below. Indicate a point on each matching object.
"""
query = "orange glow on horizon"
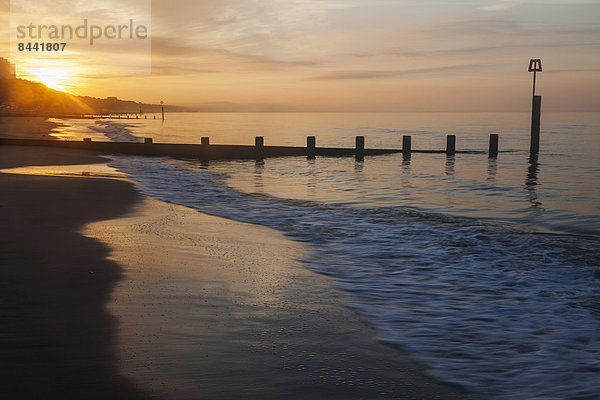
(58, 76)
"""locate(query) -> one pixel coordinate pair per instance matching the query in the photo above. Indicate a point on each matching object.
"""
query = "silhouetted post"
(493, 145)
(311, 144)
(87, 140)
(259, 143)
(162, 110)
(536, 113)
(535, 65)
(406, 146)
(148, 140)
(450, 145)
(205, 141)
(360, 147)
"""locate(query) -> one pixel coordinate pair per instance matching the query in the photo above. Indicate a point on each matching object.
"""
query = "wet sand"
(57, 338)
(27, 127)
(217, 309)
(159, 300)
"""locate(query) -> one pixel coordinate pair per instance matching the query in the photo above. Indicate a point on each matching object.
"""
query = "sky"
(325, 55)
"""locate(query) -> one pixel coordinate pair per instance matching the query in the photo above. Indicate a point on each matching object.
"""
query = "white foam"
(115, 131)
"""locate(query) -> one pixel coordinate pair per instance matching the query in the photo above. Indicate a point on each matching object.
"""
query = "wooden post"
(259, 143)
(87, 140)
(148, 140)
(360, 147)
(450, 145)
(406, 146)
(311, 144)
(536, 112)
(493, 153)
(204, 142)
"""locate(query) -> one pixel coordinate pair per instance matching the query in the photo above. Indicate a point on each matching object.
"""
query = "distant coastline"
(38, 114)
(20, 96)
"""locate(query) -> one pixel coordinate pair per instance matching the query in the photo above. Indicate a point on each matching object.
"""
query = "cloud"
(427, 53)
(472, 50)
(374, 74)
(169, 47)
(506, 4)
(571, 71)
(503, 5)
(162, 69)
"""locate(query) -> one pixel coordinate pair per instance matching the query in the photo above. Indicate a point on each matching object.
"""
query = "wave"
(504, 313)
(115, 131)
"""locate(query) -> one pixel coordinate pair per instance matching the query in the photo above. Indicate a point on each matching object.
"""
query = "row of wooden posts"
(137, 116)
(311, 145)
(125, 116)
(407, 145)
(207, 151)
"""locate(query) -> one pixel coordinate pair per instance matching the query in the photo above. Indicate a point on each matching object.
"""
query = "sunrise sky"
(334, 55)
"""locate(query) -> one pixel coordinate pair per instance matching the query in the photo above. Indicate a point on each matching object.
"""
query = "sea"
(485, 270)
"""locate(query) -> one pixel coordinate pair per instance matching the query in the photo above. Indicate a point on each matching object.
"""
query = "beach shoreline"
(63, 339)
(222, 309)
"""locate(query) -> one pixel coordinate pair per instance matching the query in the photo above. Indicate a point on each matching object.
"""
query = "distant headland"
(23, 97)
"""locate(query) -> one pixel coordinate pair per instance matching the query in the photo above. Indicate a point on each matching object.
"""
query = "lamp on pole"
(535, 66)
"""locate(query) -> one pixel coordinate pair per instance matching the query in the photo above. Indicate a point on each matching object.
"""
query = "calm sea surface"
(486, 270)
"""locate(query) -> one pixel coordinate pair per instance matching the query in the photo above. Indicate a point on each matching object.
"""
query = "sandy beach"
(57, 339)
(106, 293)
(26, 127)
(219, 309)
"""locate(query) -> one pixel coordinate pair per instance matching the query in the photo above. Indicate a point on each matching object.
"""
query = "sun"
(58, 79)
(55, 76)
